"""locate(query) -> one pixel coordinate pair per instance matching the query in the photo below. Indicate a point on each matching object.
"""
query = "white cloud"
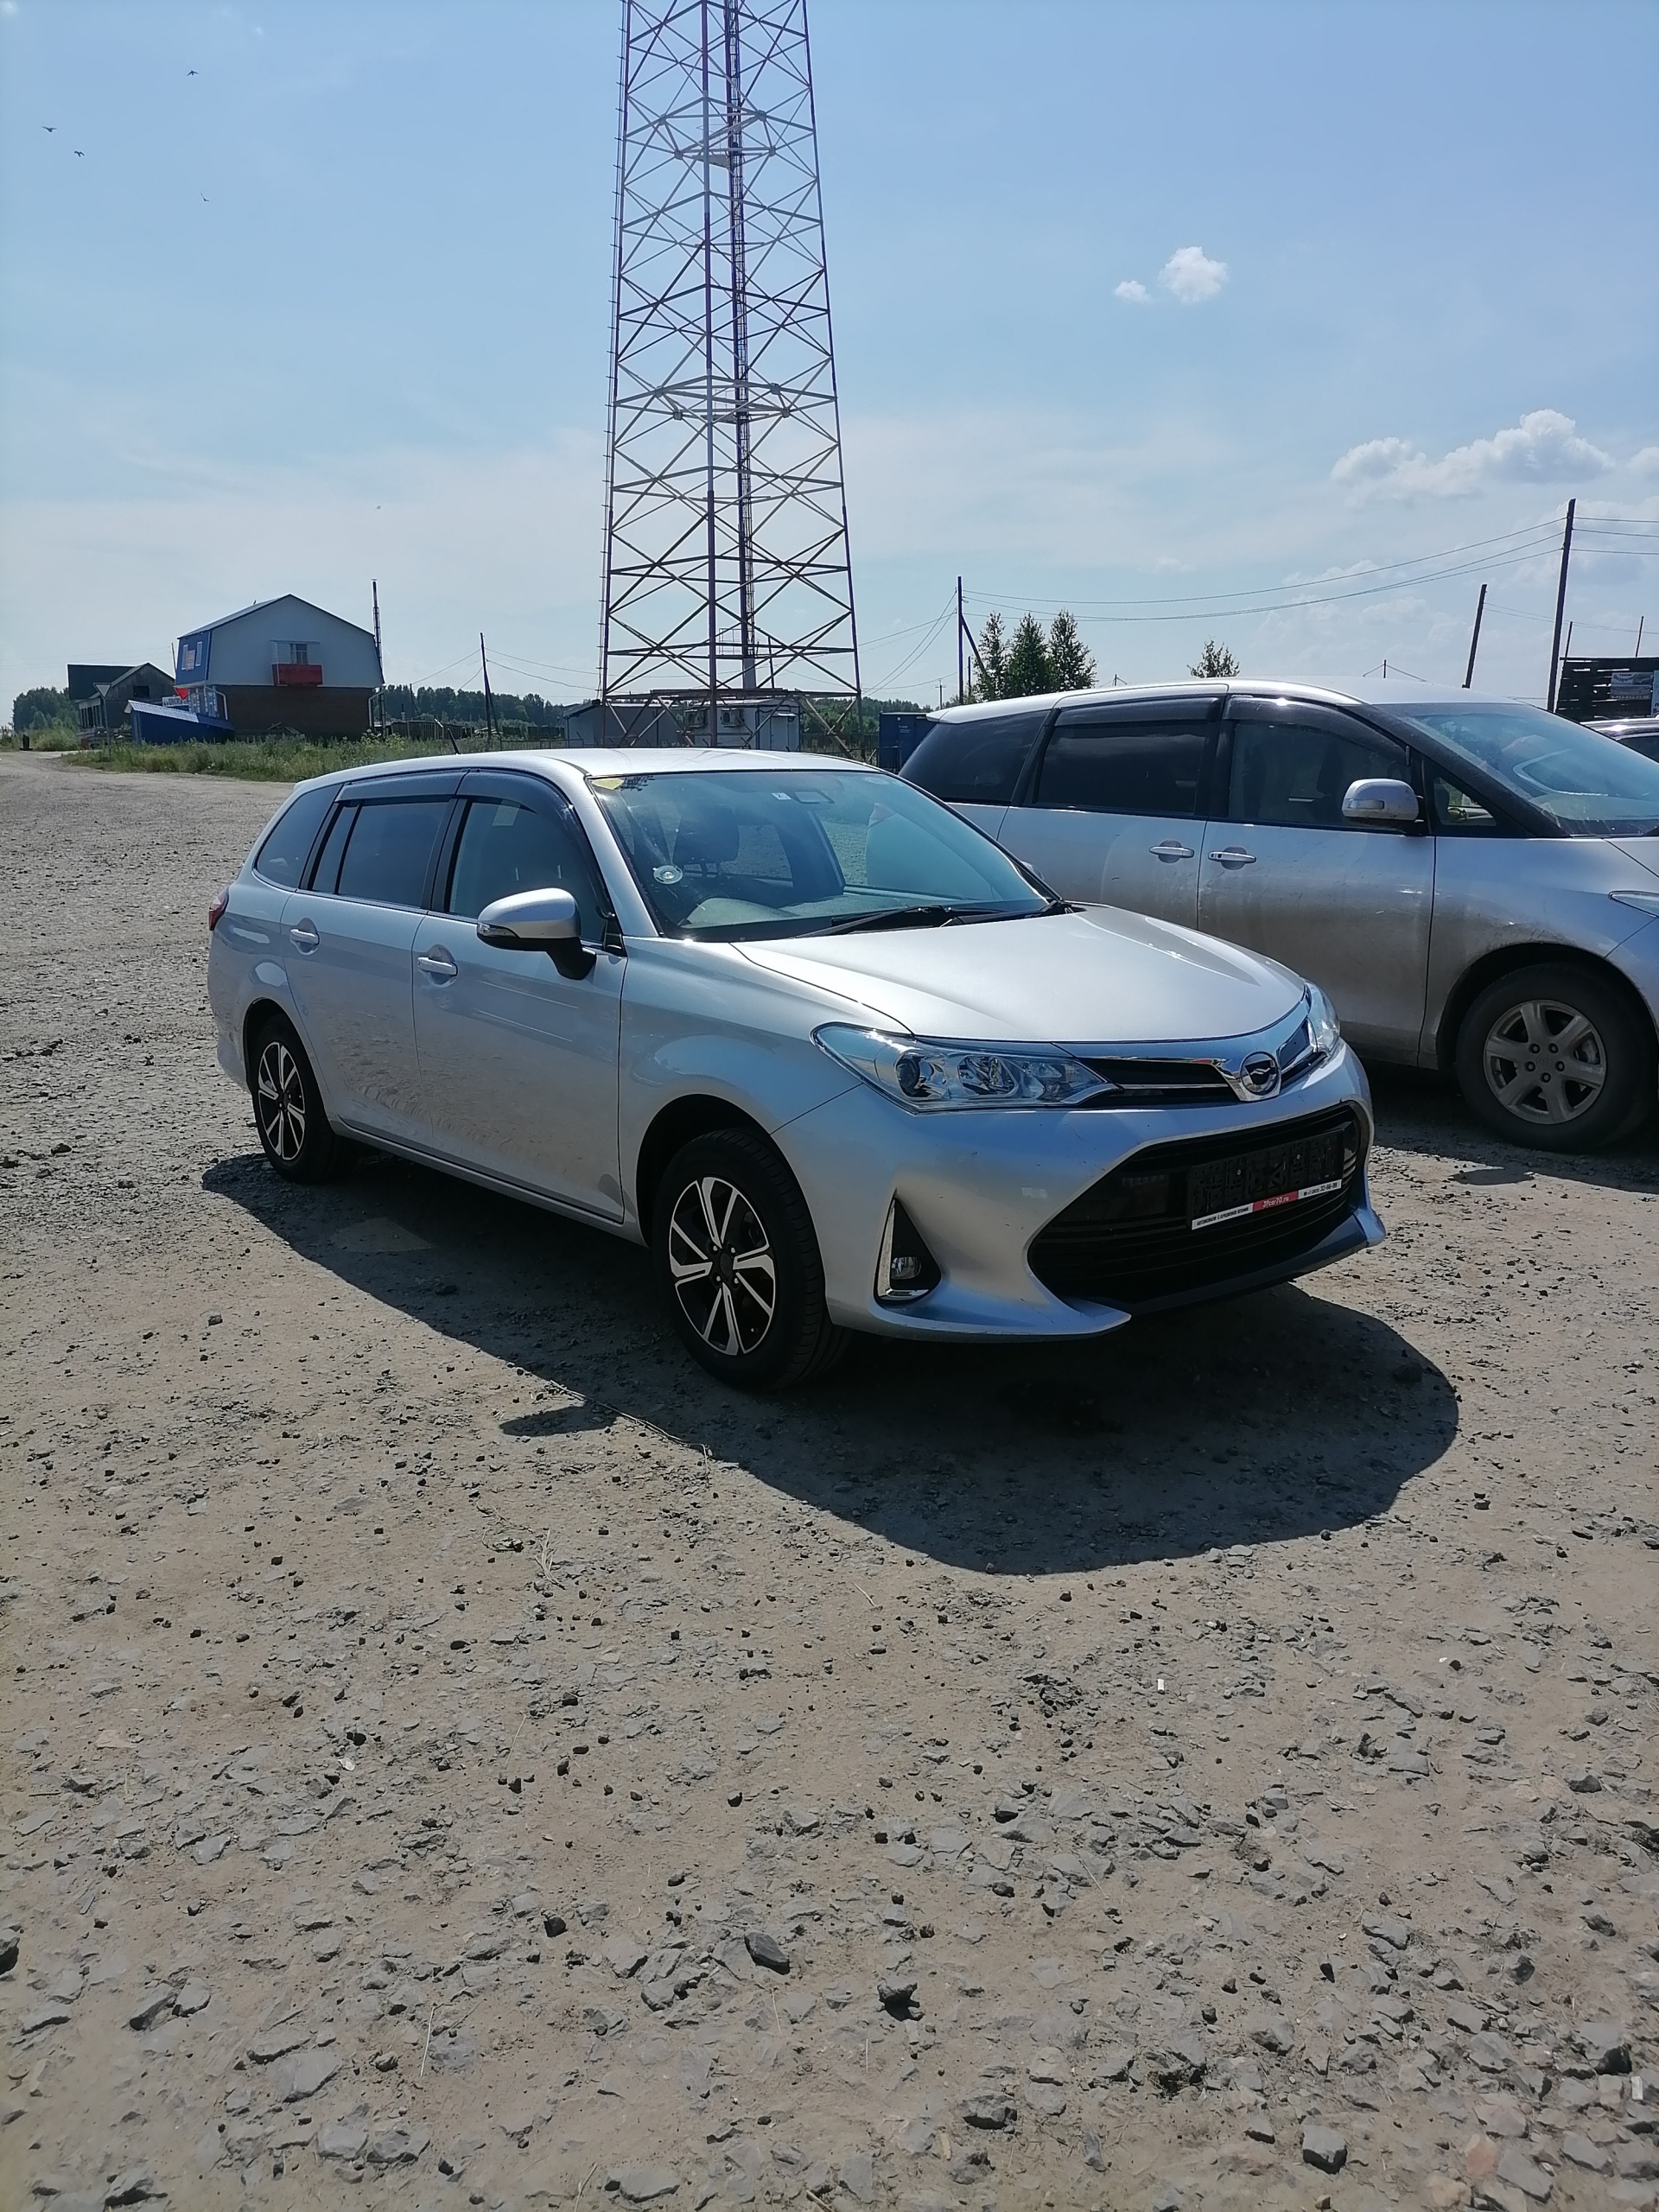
(1542, 447)
(1133, 290)
(1645, 463)
(1192, 276)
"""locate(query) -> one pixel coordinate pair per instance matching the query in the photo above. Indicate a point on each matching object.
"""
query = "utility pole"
(379, 664)
(1474, 640)
(1561, 607)
(1641, 624)
(489, 704)
(962, 686)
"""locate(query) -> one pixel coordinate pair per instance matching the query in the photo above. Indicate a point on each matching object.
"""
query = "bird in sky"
(189, 73)
(48, 126)
(81, 155)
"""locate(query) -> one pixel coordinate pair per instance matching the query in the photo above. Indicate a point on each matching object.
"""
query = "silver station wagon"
(839, 1061)
(1474, 882)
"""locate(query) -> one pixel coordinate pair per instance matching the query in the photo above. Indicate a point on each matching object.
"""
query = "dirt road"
(453, 1749)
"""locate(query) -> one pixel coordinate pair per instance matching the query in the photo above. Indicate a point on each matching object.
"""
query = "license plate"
(1259, 1182)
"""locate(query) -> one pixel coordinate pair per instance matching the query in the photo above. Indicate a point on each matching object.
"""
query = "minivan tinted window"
(390, 851)
(976, 762)
(284, 853)
(1106, 764)
(1294, 773)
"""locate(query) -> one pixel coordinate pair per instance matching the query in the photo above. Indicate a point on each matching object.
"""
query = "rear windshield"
(1587, 785)
(787, 852)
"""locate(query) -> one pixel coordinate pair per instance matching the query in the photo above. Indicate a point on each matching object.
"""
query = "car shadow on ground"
(1418, 1111)
(1266, 1418)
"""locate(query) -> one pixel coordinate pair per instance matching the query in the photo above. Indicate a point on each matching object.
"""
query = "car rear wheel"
(288, 1108)
(1554, 1056)
(737, 1260)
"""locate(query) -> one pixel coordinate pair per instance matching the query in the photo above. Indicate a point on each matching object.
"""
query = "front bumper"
(982, 1187)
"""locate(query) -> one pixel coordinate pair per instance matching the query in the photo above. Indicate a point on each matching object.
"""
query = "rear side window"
(1106, 764)
(976, 763)
(506, 846)
(1294, 773)
(390, 850)
(283, 856)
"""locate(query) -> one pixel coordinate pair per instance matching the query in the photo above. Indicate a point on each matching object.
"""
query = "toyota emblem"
(1260, 1075)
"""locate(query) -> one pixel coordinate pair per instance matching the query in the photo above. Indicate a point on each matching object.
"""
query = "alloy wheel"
(720, 1262)
(1544, 1061)
(279, 1094)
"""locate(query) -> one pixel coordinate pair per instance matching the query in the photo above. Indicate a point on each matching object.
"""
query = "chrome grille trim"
(1209, 1071)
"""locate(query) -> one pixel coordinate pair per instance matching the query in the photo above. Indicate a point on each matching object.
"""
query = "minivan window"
(283, 856)
(1293, 774)
(390, 851)
(976, 762)
(1106, 764)
(1581, 781)
(507, 846)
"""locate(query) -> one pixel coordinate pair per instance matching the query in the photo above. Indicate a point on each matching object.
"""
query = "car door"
(348, 940)
(518, 1061)
(1284, 873)
(1115, 807)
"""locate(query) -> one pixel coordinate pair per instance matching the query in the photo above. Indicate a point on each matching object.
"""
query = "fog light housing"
(906, 1269)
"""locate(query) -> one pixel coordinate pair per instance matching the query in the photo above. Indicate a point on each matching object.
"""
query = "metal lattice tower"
(727, 567)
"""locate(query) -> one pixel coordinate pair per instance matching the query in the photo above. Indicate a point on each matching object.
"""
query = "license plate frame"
(1265, 1179)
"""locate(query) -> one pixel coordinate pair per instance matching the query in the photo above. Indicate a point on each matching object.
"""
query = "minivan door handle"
(437, 964)
(1234, 856)
(303, 937)
(1171, 849)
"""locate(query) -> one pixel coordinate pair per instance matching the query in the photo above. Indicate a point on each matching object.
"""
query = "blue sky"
(335, 307)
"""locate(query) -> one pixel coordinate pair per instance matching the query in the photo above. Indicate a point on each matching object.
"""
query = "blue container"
(897, 737)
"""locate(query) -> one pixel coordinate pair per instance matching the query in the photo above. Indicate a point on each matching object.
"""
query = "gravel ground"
(455, 1750)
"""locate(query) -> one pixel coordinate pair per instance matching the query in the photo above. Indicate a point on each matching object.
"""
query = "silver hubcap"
(280, 1094)
(720, 1258)
(1544, 1061)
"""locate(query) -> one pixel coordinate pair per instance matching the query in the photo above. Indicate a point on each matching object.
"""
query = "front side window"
(1458, 813)
(390, 850)
(786, 852)
(1294, 774)
(976, 762)
(1584, 783)
(507, 846)
(287, 846)
(1110, 766)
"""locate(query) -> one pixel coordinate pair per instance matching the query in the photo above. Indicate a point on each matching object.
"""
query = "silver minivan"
(1474, 883)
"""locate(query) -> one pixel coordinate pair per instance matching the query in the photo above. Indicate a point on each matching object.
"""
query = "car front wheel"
(287, 1108)
(736, 1258)
(1554, 1056)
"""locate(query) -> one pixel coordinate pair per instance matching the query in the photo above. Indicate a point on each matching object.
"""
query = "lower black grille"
(1130, 1240)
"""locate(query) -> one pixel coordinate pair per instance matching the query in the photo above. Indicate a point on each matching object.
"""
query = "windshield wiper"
(891, 918)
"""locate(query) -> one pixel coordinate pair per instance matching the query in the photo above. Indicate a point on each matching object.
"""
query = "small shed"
(282, 665)
(103, 714)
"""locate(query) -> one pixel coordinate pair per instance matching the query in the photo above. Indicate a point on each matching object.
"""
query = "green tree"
(991, 680)
(1071, 665)
(1029, 667)
(1216, 660)
(42, 709)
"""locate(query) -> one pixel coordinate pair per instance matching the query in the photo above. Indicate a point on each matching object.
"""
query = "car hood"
(1096, 977)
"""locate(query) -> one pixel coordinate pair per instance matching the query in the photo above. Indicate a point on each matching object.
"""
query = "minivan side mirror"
(538, 921)
(1381, 802)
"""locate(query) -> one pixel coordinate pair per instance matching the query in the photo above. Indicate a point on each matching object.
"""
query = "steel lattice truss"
(727, 568)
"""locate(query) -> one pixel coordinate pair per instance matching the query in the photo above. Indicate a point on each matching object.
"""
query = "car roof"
(593, 761)
(1372, 692)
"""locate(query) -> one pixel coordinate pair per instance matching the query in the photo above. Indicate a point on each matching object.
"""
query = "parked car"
(1473, 882)
(833, 1055)
(1641, 733)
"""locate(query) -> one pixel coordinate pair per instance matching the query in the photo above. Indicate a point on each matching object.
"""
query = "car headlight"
(1324, 1032)
(933, 1071)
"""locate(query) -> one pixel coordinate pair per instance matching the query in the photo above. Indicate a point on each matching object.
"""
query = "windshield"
(1588, 785)
(786, 852)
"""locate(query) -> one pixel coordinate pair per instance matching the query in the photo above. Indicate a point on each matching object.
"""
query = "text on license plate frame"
(1233, 1189)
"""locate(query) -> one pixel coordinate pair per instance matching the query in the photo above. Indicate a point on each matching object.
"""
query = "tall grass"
(260, 759)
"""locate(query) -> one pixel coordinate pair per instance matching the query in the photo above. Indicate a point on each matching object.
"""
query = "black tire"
(288, 1108)
(1555, 1057)
(730, 1230)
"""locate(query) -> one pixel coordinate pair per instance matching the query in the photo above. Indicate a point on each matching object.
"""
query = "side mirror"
(538, 921)
(1382, 803)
